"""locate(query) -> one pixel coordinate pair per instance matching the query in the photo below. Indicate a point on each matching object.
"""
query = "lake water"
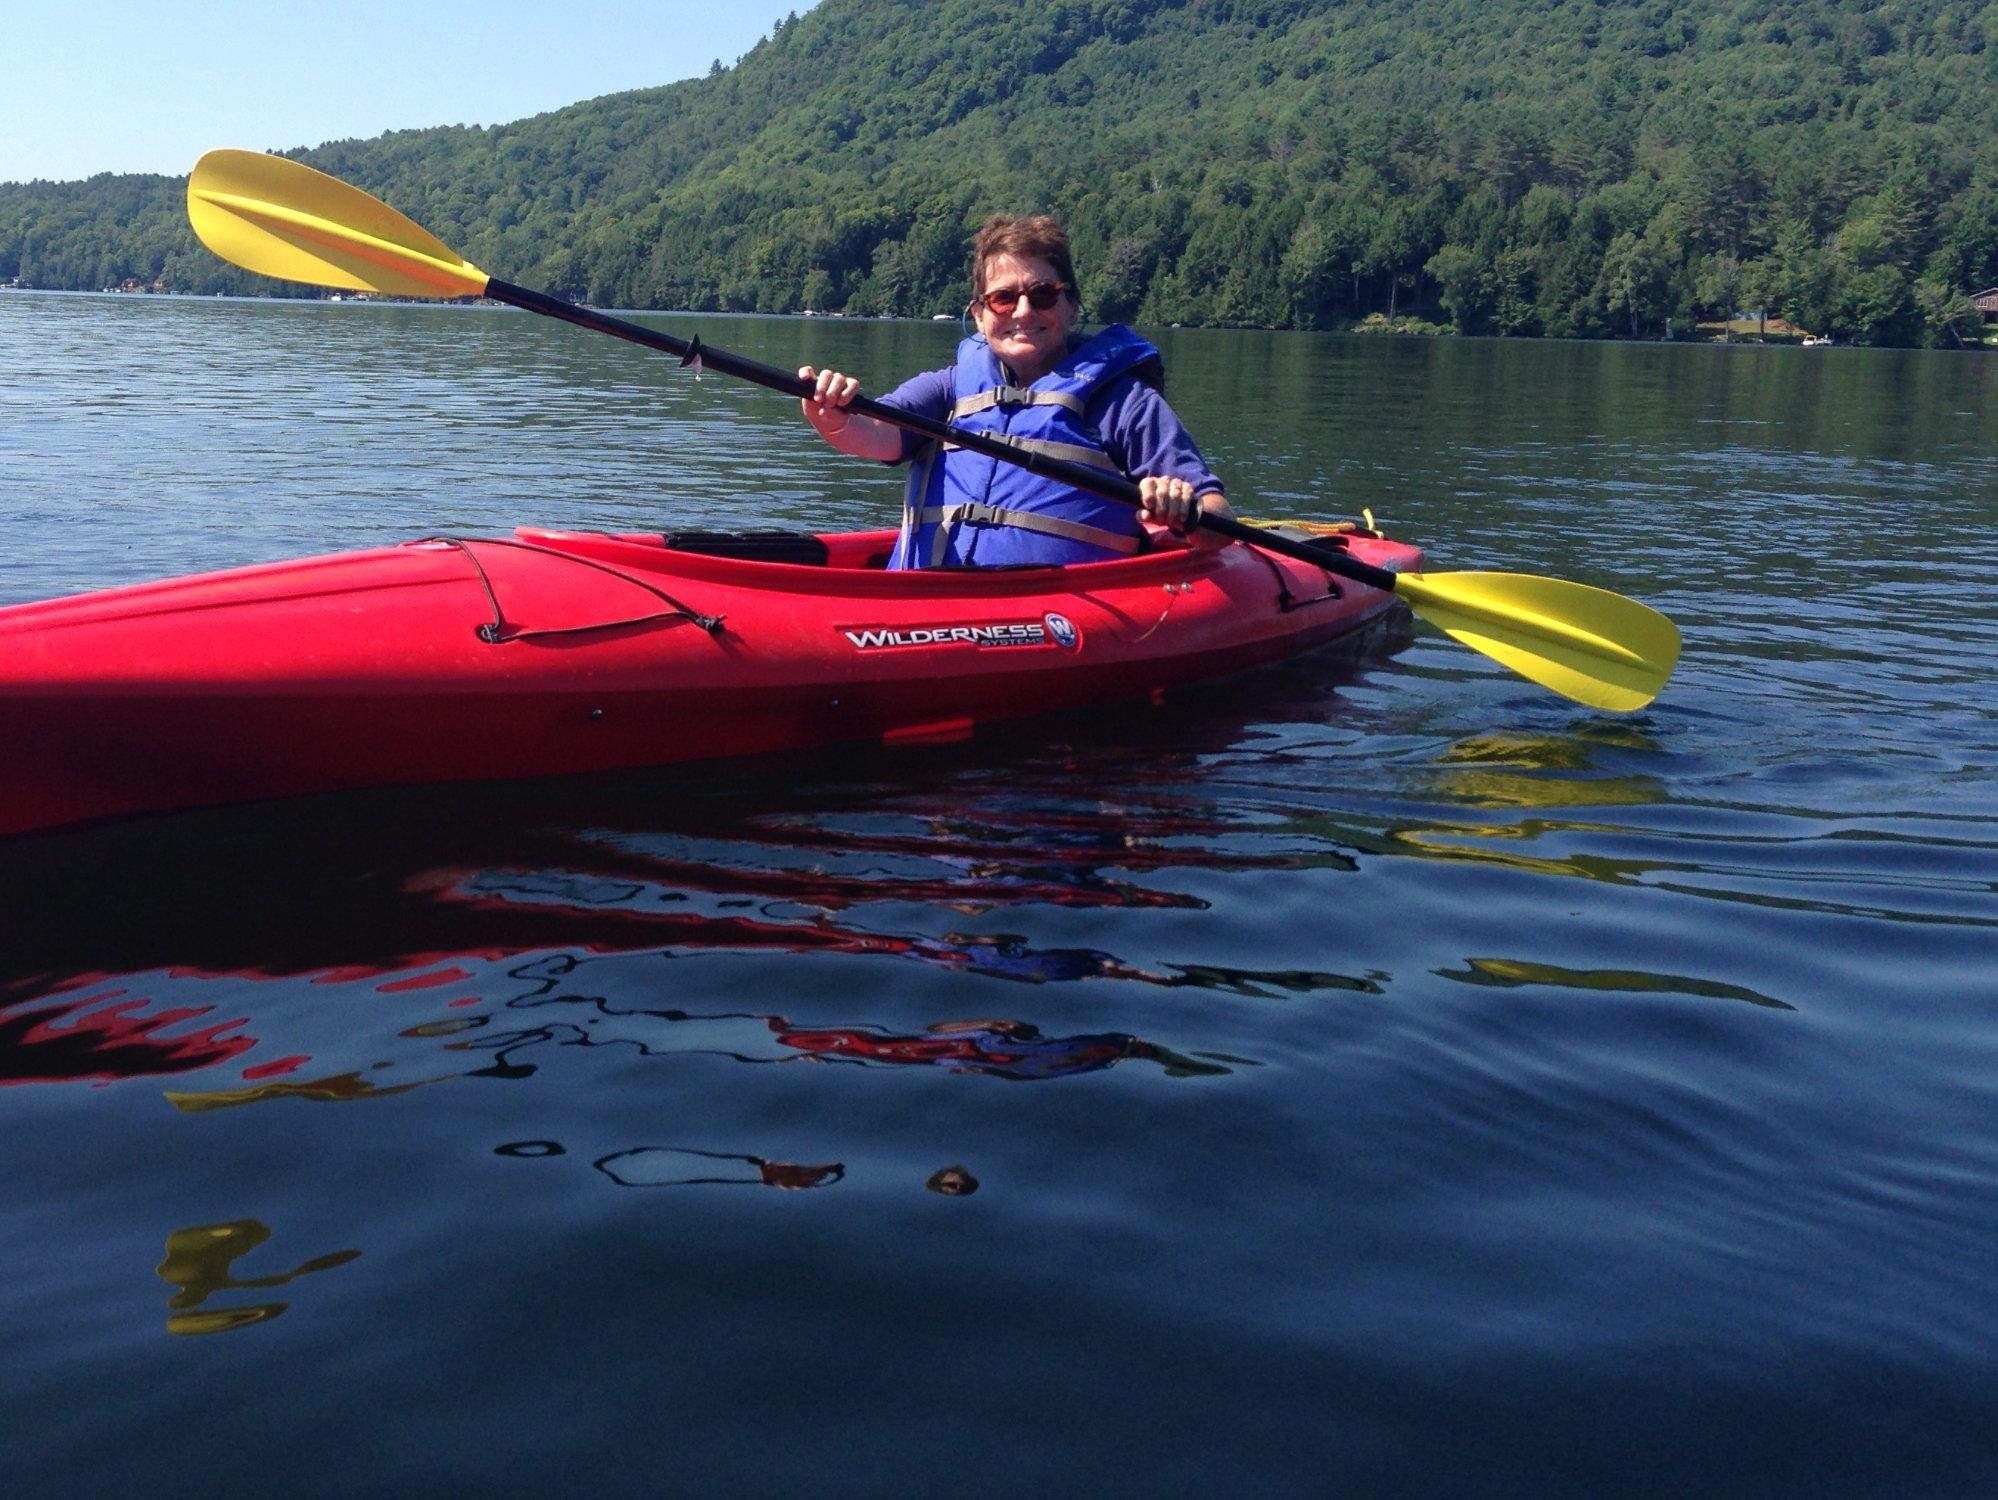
(1375, 1073)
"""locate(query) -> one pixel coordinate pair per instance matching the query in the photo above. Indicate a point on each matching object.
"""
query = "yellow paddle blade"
(1587, 644)
(281, 218)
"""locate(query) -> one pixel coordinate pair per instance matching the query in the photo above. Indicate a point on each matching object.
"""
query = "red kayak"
(557, 652)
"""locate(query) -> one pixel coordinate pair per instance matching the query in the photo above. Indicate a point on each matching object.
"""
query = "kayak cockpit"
(852, 562)
(864, 550)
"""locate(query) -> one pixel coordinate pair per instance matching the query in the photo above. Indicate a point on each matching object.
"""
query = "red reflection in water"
(994, 1048)
(418, 908)
(105, 1036)
(424, 981)
(276, 1069)
(499, 915)
(1000, 1049)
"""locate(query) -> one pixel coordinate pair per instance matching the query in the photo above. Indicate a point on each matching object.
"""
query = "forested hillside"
(1559, 167)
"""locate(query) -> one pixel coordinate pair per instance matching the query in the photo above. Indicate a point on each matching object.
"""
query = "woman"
(1026, 376)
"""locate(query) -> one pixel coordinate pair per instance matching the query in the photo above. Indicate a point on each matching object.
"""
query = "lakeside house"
(1986, 303)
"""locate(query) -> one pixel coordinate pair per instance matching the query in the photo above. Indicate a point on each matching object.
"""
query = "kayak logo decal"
(1049, 630)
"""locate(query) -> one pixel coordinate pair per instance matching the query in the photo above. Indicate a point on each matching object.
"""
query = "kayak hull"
(552, 653)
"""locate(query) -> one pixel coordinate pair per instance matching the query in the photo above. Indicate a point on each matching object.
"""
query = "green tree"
(1718, 287)
(1634, 285)
(1514, 285)
(816, 291)
(1876, 305)
(1758, 281)
(1310, 277)
(1465, 286)
(1949, 317)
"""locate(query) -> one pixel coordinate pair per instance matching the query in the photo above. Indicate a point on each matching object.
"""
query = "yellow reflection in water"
(1545, 771)
(1504, 773)
(1510, 973)
(339, 1088)
(1487, 788)
(223, 1319)
(1548, 752)
(1439, 842)
(200, 1262)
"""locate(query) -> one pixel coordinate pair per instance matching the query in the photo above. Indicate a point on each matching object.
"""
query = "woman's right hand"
(825, 408)
(849, 432)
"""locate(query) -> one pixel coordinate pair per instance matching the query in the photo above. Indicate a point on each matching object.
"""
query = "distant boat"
(943, 317)
(1813, 342)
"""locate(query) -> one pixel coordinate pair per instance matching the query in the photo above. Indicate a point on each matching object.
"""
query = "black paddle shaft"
(1075, 476)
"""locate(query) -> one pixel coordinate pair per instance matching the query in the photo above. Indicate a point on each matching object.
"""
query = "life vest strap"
(1073, 453)
(1013, 395)
(976, 513)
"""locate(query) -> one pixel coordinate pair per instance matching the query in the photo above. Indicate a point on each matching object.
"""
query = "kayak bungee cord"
(496, 634)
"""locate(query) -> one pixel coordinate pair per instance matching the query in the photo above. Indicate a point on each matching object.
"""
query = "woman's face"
(1028, 338)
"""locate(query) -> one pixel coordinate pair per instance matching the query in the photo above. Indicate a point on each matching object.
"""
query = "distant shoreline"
(1376, 328)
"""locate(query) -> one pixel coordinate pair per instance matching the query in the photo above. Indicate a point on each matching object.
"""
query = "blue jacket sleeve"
(924, 395)
(1144, 436)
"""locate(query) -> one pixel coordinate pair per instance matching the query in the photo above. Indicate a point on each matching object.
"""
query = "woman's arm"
(1146, 438)
(825, 409)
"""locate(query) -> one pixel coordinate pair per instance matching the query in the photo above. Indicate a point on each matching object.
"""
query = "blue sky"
(87, 87)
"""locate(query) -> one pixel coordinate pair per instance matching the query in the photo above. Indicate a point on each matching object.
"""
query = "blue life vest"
(964, 510)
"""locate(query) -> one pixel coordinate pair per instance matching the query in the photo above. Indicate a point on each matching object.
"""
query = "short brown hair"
(1033, 237)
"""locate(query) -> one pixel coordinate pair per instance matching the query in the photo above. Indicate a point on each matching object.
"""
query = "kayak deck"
(554, 652)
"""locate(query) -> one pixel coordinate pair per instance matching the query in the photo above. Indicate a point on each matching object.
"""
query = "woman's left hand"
(1167, 501)
(1171, 502)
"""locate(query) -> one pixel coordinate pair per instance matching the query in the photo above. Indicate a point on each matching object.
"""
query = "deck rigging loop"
(499, 633)
(1286, 601)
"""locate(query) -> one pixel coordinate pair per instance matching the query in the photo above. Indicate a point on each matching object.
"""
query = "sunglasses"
(1041, 296)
